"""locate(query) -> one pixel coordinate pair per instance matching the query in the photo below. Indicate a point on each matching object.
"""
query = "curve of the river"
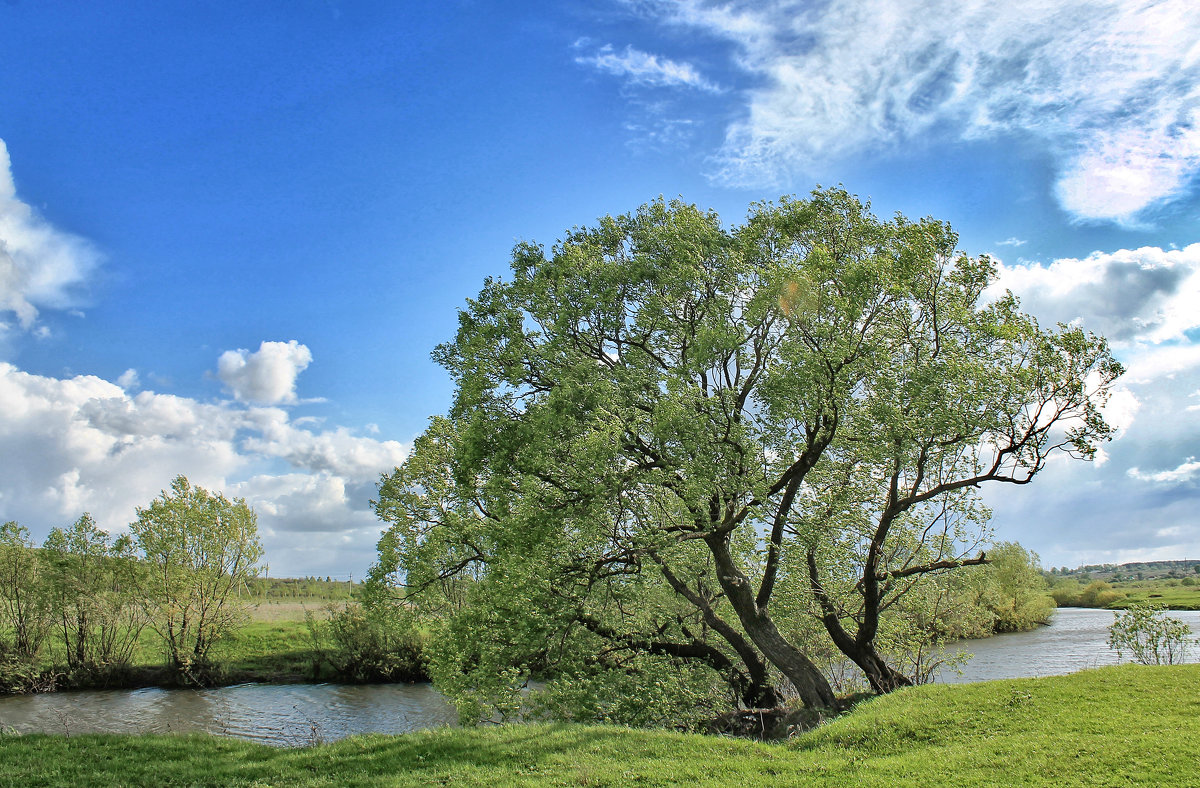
(298, 714)
(1076, 638)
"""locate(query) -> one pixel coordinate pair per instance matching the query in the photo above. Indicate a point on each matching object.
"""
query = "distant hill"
(1138, 570)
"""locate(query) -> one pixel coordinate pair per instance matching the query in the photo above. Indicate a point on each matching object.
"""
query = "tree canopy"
(200, 549)
(680, 449)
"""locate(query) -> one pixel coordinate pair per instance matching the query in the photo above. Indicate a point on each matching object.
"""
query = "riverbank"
(276, 646)
(1123, 725)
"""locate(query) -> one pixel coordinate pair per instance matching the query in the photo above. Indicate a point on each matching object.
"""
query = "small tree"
(90, 583)
(23, 613)
(1015, 590)
(1149, 635)
(201, 549)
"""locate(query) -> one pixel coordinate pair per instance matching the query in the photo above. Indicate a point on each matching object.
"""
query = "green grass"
(273, 646)
(1170, 593)
(1162, 592)
(1119, 726)
(267, 651)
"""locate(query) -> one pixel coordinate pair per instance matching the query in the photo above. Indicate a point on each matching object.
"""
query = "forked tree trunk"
(860, 649)
(811, 685)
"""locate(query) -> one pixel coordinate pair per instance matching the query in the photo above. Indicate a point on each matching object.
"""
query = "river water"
(298, 714)
(1076, 638)
(280, 714)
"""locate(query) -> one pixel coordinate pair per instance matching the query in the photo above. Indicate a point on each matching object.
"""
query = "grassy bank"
(275, 645)
(1126, 725)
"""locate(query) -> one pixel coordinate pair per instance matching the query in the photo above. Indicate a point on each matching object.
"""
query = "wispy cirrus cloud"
(1110, 87)
(643, 68)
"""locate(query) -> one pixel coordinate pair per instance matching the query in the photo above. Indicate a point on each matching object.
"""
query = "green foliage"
(1097, 593)
(24, 614)
(1015, 590)
(673, 439)
(644, 690)
(369, 641)
(1150, 636)
(200, 549)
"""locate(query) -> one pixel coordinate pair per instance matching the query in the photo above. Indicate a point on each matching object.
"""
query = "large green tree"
(679, 445)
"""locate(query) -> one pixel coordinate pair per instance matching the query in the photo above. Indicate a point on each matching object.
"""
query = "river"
(298, 714)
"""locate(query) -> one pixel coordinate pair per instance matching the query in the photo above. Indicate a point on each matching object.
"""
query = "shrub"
(1150, 636)
(1066, 593)
(369, 642)
(1098, 594)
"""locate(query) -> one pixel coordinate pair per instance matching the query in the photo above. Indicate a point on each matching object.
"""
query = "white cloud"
(645, 69)
(336, 451)
(1011, 242)
(87, 444)
(1147, 301)
(1148, 295)
(40, 266)
(1110, 87)
(129, 379)
(268, 375)
(1186, 471)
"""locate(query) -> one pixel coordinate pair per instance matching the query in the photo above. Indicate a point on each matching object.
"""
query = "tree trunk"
(882, 677)
(810, 683)
(757, 690)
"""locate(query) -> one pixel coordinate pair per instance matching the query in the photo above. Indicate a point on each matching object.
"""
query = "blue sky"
(230, 234)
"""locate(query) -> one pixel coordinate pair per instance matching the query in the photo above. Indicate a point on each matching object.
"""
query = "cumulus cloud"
(88, 444)
(643, 68)
(266, 376)
(337, 451)
(41, 267)
(1141, 502)
(1148, 295)
(1110, 87)
(129, 379)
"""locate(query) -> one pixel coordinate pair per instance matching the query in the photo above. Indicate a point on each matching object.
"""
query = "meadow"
(1171, 593)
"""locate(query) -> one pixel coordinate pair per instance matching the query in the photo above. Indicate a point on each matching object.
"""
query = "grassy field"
(1118, 726)
(1170, 593)
(275, 645)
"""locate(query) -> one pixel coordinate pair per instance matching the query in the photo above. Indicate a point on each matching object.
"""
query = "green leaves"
(201, 548)
(808, 400)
